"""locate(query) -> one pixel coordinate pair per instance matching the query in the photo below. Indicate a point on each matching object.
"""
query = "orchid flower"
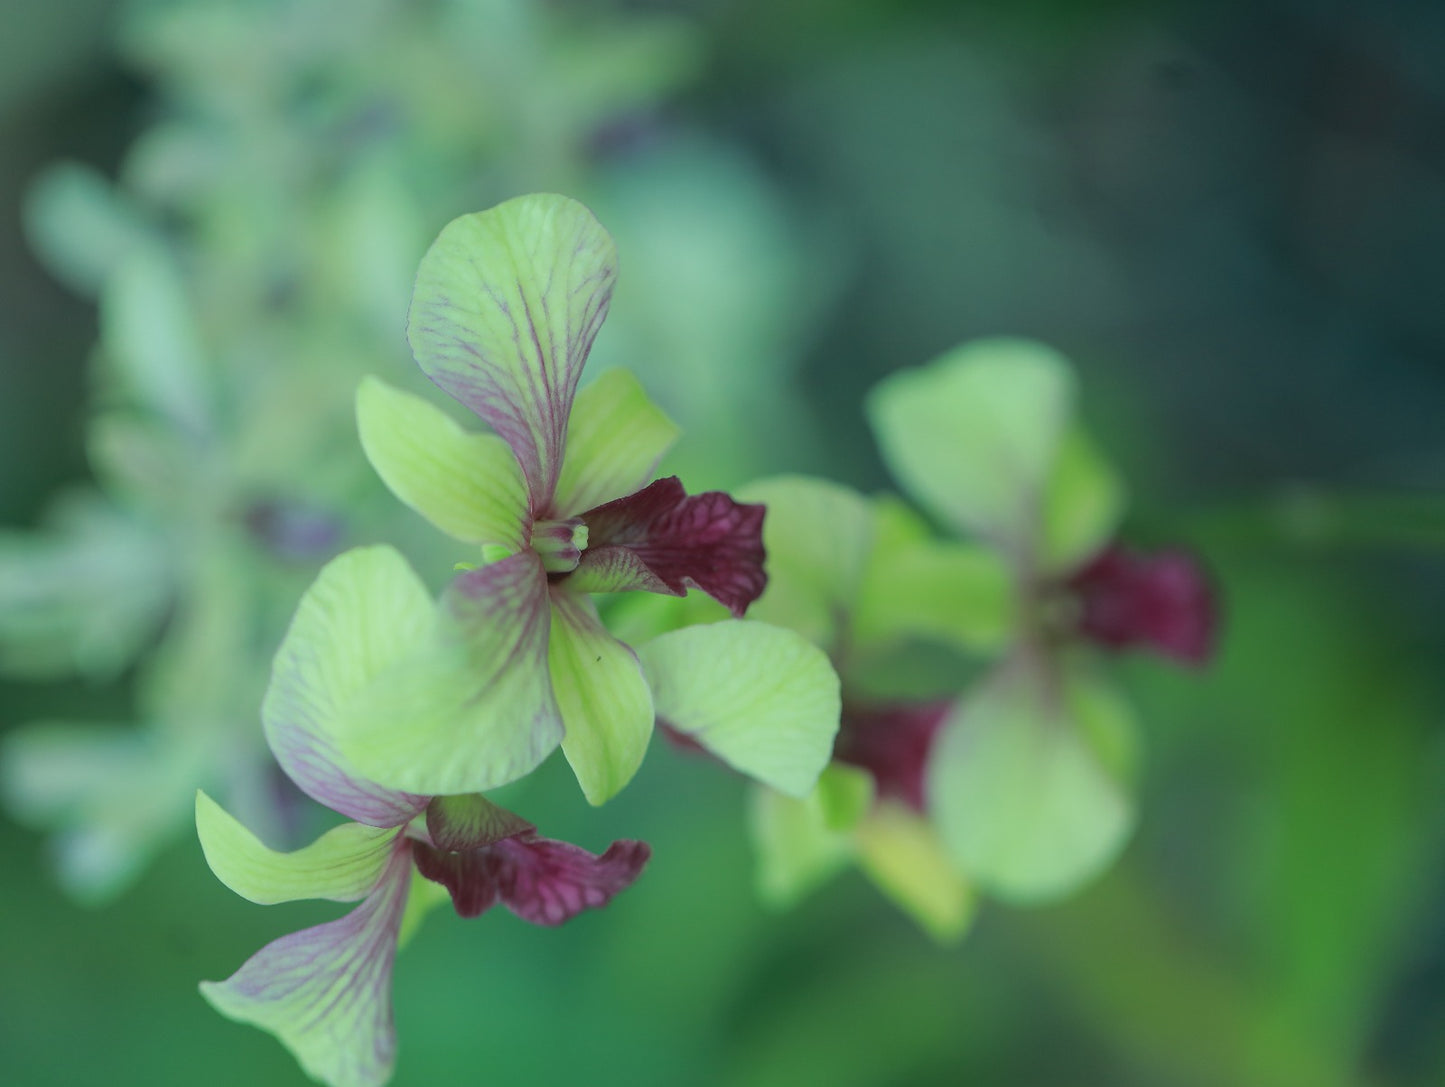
(560, 502)
(941, 786)
(325, 991)
(1027, 779)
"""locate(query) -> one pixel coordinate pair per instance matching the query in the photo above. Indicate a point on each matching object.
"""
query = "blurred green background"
(1229, 215)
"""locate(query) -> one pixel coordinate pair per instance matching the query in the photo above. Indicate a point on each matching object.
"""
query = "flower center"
(559, 544)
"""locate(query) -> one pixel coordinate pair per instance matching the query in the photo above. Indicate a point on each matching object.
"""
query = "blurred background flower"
(1229, 217)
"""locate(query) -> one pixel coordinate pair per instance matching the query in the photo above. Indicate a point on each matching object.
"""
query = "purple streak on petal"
(512, 591)
(495, 625)
(681, 741)
(527, 406)
(333, 980)
(310, 759)
(667, 540)
(1162, 601)
(892, 743)
(541, 880)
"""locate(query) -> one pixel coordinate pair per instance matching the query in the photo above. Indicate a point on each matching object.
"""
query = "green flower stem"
(1324, 520)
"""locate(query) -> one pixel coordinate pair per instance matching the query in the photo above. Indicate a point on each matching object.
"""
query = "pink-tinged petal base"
(1162, 601)
(681, 741)
(661, 539)
(541, 880)
(325, 992)
(892, 743)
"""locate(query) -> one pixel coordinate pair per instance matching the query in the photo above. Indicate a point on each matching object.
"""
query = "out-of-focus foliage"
(252, 262)
(1230, 216)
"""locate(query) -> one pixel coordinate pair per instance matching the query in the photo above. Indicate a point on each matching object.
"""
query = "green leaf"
(342, 865)
(901, 853)
(85, 593)
(1022, 797)
(113, 795)
(507, 304)
(466, 484)
(802, 842)
(149, 332)
(972, 436)
(81, 227)
(615, 440)
(469, 707)
(1082, 506)
(604, 699)
(761, 698)
(818, 537)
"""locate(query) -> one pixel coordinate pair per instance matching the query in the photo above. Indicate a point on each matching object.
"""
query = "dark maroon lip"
(1161, 601)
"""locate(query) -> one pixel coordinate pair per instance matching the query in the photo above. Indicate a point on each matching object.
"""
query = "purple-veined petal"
(603, 695)
(662, 540)
(892, 743)
(1162, 601)
(471, 706)
(365, 610)
(467, 822)
(325, 992)
(614, 442)
(507, 304)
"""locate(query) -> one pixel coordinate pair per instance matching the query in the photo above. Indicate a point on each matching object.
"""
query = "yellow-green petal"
(325, 992)
(802, 842)
(469, 707)
(365, 612)
(901, 853)
(973, 435)
(918, 587)
(1082, 504)
(604, 699)
(615, 440)
(1026, 783)
(819, 536)
(506, 306)
(343, 865)
(761, 698)
(466, 484)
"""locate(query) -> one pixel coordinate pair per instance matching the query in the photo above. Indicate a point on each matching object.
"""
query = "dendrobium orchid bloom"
(560, 502)
(326, 991)
(1027, 779)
